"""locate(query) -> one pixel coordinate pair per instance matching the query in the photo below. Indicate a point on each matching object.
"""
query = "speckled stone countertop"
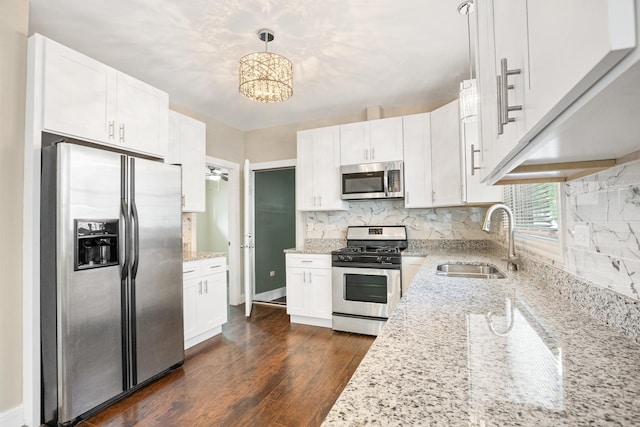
(499, 352)
(195, 256)
(318, 246)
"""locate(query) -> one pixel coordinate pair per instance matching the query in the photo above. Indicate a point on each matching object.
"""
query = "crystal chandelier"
(468, 88)
(266, 76)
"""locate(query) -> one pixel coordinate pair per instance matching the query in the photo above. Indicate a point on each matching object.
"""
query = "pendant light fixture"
(266, 76)
(468, 88)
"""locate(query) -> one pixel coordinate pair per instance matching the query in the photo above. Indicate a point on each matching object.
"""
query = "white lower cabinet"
(410, 267)
(309, 289)
(204, 299)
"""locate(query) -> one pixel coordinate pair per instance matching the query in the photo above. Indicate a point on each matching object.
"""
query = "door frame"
(235, 240)
(277, 164)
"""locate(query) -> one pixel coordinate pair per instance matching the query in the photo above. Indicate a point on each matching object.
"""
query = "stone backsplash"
(603, 229)
(437, 223)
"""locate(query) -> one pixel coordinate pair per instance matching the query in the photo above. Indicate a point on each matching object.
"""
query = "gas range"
(372, 247)
(366, 278)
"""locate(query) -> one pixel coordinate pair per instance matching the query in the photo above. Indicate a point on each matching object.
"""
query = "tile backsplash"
(188, 232)
(603, 229)
(436, 223)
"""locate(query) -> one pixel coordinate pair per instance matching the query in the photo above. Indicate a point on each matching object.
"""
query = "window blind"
(534, 206)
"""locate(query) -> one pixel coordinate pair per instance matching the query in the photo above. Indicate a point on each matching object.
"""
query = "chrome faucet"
(512, 259)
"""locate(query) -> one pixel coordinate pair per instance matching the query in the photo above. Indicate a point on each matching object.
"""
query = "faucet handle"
(512, 263)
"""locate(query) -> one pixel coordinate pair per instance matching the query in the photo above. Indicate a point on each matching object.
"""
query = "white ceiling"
(347, 54)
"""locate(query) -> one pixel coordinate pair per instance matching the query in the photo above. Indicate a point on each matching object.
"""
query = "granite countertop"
(499, 352)
(195, 256)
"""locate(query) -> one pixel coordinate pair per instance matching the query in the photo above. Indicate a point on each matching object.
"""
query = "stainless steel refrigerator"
(111, 277)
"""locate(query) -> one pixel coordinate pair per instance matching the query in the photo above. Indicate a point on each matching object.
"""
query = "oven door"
(372, 292)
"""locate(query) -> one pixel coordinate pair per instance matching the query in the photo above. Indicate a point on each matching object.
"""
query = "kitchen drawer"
(213, 265)
(190, 270)
(309, 260)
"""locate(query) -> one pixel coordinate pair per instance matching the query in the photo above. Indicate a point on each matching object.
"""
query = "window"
(535, 217)
(535, 208)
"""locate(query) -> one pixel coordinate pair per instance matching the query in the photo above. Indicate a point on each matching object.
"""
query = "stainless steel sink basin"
(472, 271)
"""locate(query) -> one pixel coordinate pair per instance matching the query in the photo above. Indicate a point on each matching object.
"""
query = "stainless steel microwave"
(372, 181)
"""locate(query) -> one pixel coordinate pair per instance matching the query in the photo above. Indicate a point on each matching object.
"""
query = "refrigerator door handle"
(123, 248)
(136, 239)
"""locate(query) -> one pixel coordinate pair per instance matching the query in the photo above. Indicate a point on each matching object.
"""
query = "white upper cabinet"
(187, 146)
(79, 95)
(417, 161)
(371, 141)
(502, 73)
(318, 170)
(473, 190)
(88, 100)
(445, 156)
(572, 43)
(143, 116)
(538, 64)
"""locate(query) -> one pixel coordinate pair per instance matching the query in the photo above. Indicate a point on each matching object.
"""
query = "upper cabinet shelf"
(558, 84)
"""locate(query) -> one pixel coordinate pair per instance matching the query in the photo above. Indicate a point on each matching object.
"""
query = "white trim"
(235, 237)
(277, 164)
(271, 295)
(543, 247)
(188, 343)
(12, 417)
(31, 234)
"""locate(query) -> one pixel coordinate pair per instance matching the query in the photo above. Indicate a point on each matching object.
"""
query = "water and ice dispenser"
(96, 243)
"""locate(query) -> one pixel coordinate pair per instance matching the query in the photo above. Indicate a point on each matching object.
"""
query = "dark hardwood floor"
(261, 371)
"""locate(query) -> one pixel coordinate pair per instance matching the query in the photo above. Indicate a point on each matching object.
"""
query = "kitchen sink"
(471, 271)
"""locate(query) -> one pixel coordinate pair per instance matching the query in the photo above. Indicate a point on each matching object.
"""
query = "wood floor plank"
(261, 371)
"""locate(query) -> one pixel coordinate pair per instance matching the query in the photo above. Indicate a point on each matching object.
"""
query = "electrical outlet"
(581, 235)
(272, 274)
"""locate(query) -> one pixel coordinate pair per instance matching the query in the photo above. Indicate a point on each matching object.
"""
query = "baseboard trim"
(12, 417)
(271, 295)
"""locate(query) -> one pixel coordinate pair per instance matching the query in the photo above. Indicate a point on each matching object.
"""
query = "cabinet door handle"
(500, 109)
(473, 163)
(504, 73)
(188, 271)
(319, 201)
(112, 125)
(206, 286)
(215, 266)
(122, 133)
(200, 287)
(406, 198)
(373, 153)
(309, 277)
(183, 200)
(307, 260)
(366, 154)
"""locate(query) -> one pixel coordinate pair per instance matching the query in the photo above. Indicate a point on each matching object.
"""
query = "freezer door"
(156, 267)
(89, 318)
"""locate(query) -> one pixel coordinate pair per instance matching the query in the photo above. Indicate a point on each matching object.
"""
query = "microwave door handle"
(386, 182)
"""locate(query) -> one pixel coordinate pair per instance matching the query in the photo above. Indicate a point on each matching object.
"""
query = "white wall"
(14, 20)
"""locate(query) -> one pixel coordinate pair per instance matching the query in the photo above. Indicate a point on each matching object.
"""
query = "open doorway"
(275, 231)
(218, 227)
